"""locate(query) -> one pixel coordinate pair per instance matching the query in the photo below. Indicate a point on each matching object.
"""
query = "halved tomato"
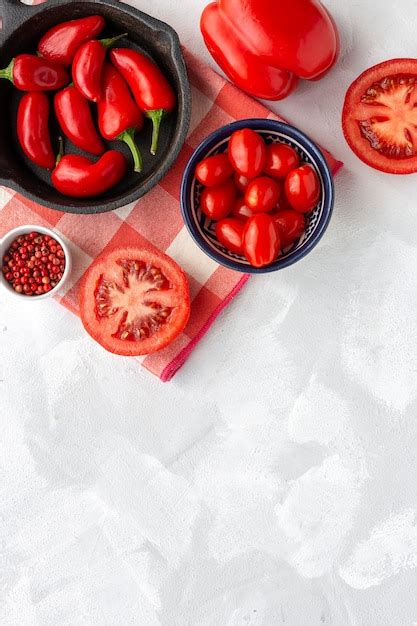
(134, 301)
(380, 116)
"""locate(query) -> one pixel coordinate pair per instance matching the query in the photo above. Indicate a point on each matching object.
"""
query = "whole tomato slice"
(302, 188)
(291, 225)
(214, 170)
(380, 116)
(262, 194)
(217, 202)
(134, 301)
(247, 152)
(241, 211)
(280, 160)
(230, 234)
(261, 242)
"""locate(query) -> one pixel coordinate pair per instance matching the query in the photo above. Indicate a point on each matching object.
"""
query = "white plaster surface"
(274, 480)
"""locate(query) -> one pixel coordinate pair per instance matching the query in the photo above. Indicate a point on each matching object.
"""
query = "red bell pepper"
(61, 42)
(118, 115)
(33, 130)
(74, 116)
(79, 177)
(153, 93)
(88, 64)
(265, 46)
(28, 72)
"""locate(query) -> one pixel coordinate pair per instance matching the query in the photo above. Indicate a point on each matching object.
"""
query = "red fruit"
(302, 188)
(247, 152)
(214, 170)
(280, 160)
(291, 225)
(262, 194)
(261, 243)
(229, 232)
(217, 202)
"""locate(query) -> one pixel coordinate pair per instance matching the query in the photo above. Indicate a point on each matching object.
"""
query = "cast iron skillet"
(23, 26)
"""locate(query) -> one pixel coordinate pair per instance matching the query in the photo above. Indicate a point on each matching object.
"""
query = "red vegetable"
(88, 64)
(79, 177)
(134, 301)
(33, 129)
(229, 232)
(247, 152)
(291, 225)
(74, 116)
(380, 116)
(262, 194)
(261, 243)
(280, 160)
(61, 42)
(214, 170)
(34, 264)
(241, 211)
(118, 115)
(217, 202)
(31, 73)
(264, 47)
(302, 188)
(152, 92)
(241, 182)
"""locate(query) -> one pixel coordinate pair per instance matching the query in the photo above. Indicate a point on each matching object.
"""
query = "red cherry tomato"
(280, 160)
(214, 170)
(241, 182)
(247, 152)
(217, 202)
(241, 211)
(261, 242)
(262, 194)
(230, 234)
(291, 225)
(302, 188)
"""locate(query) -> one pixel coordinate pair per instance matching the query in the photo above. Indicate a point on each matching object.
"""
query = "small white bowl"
(23, 230)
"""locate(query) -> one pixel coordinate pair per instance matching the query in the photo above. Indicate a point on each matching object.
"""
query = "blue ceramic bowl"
(201, 227)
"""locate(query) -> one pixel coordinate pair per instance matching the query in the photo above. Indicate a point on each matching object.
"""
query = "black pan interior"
(158, 43)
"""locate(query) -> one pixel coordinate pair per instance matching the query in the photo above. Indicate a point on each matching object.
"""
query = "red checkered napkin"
(215, 103)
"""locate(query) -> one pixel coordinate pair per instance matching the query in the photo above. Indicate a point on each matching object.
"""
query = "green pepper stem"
(108, 43)
(7, 72)
(156, 117)
(128, 136)
(61, 151)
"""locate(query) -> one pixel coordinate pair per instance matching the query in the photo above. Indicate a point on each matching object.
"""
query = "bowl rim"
(11, 235)
(259, 124)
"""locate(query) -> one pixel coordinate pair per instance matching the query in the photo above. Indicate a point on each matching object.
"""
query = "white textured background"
(274, 480)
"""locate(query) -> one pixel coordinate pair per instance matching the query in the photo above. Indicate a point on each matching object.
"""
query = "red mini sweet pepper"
(265, 46)
(61, 42)
(88, 64)
(118, 115)
(28, 72)
(153, 93)
(79, 177)
(74, 116)
(33, 129)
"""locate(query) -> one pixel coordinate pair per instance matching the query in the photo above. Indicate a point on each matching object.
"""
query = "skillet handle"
(13, 13)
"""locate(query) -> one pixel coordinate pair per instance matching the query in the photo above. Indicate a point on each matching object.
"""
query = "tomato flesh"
(134, 301)
(380, 116)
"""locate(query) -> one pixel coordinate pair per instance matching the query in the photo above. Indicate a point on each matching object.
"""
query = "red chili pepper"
(265, 47)
(74, 115)
(28, 72)
(61, 42)
(33, 130)
(88, 64)
(79, 177)
(118, 115)
(153, 93)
